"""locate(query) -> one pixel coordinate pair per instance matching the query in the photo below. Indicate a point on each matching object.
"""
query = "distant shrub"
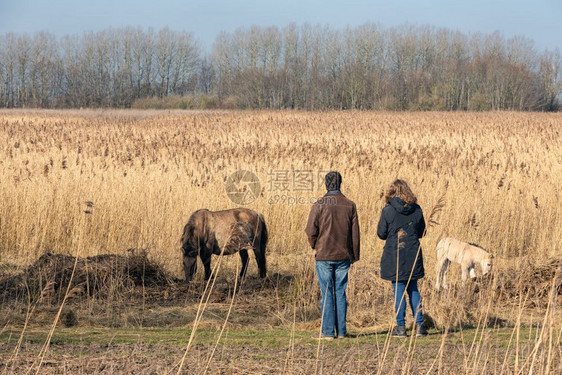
(231, 102)
(429, 103)
(199, 101)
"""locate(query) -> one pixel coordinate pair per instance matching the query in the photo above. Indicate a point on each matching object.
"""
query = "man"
(333, 232)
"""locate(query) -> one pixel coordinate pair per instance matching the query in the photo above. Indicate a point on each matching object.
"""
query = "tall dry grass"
(489, 178)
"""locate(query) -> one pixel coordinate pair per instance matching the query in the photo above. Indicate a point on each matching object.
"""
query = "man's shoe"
(421, 330)
(398, 331)
(322, 337)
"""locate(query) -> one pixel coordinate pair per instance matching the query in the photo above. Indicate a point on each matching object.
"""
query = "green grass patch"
(273, 338)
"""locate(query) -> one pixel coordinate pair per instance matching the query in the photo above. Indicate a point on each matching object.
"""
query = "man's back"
(333, 228)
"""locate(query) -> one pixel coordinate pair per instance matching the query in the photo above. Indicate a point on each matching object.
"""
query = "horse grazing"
(467, 255)
(223, 232)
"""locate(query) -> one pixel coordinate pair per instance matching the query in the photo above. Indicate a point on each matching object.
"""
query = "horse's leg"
(259, 252)
(244, 258)
(472, 272)
(439, 273)
(465, 272)
(206, 259)
(189, 267)
(444, 270)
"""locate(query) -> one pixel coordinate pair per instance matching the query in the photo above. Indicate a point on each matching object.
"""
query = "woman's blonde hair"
(399, 188)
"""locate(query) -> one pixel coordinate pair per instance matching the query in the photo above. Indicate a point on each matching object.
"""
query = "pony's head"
(190, 250)
(189, 242)
(487, 264)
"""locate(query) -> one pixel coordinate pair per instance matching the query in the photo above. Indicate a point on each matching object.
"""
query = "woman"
(402, 225)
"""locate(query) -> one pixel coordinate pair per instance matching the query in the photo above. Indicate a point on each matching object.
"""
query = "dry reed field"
(93, 203)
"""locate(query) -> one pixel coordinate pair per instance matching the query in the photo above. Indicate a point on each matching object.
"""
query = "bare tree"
(308, 67)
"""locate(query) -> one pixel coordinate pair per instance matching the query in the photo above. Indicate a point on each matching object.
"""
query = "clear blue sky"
(539, 20)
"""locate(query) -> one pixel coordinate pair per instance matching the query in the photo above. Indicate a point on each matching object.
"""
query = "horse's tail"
(441, 250)
(260, 254)
(264, 235)
(442, 263)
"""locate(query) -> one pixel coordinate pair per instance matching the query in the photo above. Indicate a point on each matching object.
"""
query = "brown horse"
(227, 232)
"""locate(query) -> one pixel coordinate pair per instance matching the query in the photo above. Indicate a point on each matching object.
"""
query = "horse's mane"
(188, 237)
(476, 245)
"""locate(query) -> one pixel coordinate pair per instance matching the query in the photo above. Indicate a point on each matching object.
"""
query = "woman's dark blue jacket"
(397, 215)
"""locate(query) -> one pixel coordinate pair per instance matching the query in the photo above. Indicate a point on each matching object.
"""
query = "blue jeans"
(332, 277)
(400, 301)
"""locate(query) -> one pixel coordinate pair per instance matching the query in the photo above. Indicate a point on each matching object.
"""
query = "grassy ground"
(158, 350)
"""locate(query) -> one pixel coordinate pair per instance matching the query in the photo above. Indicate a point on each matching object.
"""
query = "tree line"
(298, 67)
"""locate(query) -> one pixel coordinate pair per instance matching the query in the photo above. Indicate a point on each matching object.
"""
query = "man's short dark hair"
(333, 180)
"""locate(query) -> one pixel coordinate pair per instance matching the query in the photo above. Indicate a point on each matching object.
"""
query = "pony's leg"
(439, 273)
(259, 252)
(445, 268)
(472, 272)
(244, 258)
(189, 267)
(465, 272)
(206, 259)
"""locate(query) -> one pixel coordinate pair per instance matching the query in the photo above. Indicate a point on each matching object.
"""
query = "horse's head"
(487, 264)
(188, 242)
(190, 250)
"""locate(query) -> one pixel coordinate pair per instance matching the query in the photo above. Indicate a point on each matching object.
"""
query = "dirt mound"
(98, 276)
(535, 283)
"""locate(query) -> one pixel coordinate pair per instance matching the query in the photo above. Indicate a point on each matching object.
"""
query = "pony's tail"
(264, 235)
(260, 255)
(440, 249)
(441, 264)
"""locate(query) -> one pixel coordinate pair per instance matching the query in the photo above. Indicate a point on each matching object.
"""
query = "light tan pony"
(466, 254)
